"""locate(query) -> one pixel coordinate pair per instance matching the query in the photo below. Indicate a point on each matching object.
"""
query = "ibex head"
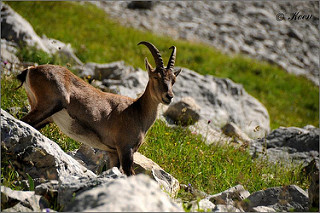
(161, 79)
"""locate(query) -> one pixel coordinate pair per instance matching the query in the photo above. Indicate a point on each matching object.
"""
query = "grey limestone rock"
(225, 208)
(166, 181)
(295, 144)
(285, 198)
(35, 154)
(9, 60)
(230, 196)
(136, 193)
(184, 112)
(65, 190)
(203, 205)
(14, 28)
(223, 101)
(20, 201)
(263, 209)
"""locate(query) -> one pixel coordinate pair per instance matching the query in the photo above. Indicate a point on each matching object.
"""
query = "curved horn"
(172, 57)
(155, 53)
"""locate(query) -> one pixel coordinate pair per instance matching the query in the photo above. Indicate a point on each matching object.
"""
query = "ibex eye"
(157, 76)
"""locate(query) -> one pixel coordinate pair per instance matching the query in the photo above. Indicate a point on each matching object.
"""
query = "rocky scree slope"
(65, 183)
(233, 27)
(58, 177)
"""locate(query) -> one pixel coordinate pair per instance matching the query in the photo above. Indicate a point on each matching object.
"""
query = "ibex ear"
(176, 73)
(148, 65)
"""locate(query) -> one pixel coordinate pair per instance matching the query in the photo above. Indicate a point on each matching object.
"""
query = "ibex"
(110, 122)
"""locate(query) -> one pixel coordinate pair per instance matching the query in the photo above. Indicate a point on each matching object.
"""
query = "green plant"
(53, 132)
(31, 183)
(32, 54)
(11, 97)
(9, 175)
(314, 209)
(186, 206)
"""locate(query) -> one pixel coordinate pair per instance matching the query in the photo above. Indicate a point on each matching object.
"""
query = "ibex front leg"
(126, 160)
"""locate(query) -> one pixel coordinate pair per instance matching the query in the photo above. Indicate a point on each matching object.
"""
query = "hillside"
(95, 37)
(290, 100)
(252, 28)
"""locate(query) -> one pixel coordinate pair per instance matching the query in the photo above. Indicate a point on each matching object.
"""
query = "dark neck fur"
(148, 108)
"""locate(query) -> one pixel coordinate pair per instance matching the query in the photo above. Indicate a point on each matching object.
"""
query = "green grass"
(290, 100)
(213, 168)
(31, 54)
(10, 177)
(183, 154)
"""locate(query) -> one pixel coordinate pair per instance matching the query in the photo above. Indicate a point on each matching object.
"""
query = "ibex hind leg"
(43, 123)
(114, 159)
(39, 116)
(126, 160)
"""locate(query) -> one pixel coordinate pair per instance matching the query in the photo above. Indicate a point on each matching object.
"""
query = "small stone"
(184, 112)
(13, 200)
(232, 130)
(229, 196)
(225, 208)
(144, 165)
(205, 205)
(263, 209)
